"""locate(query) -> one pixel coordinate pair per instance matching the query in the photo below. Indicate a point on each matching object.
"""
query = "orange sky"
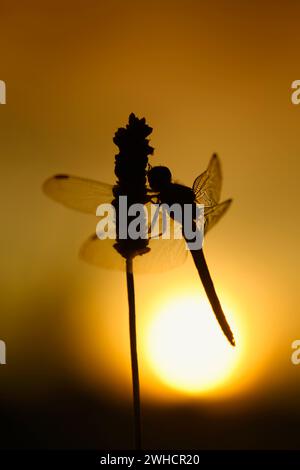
(208, 77)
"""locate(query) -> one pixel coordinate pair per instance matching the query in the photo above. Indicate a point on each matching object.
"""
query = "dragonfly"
(85, 195)
(206, 190)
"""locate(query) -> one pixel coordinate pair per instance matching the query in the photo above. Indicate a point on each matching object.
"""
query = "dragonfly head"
(159, 177)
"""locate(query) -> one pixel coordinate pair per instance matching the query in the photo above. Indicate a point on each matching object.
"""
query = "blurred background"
(208, 77)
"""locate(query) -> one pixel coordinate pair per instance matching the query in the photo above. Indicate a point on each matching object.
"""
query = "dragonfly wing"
(163, 255)
(77, 193)
(167, 246)
(213, 214)
(101, 253)
(207, 186)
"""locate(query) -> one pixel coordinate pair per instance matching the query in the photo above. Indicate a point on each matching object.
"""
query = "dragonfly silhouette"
(206, 190)
(86, 195)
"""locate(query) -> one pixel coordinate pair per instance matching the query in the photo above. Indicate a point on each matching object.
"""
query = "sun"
(187, 349)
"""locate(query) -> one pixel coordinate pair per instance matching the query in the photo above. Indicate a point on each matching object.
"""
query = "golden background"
(208, 77)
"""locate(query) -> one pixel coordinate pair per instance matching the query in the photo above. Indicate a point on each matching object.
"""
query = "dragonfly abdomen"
(204, 274)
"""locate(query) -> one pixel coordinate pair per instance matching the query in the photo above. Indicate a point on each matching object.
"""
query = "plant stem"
(134, 357)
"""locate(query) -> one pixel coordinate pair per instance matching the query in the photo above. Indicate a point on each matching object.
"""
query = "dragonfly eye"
(159, 177)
